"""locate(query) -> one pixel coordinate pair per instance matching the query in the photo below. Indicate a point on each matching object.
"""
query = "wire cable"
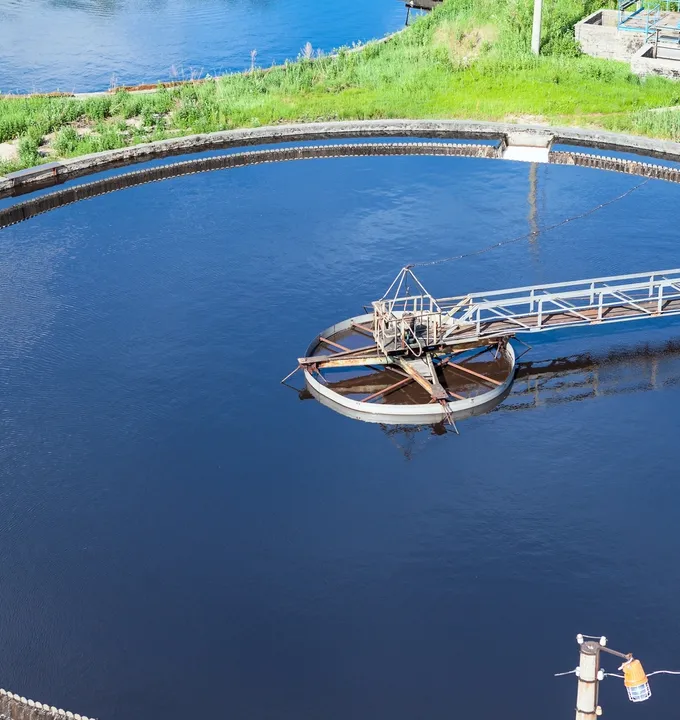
(656, 672)
(569, 672)
(664, 672)
(533, 234)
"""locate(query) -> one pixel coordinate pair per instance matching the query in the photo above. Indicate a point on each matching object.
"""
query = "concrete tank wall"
(599, 36)
(51, 174)
(644, 63)
(14, 707)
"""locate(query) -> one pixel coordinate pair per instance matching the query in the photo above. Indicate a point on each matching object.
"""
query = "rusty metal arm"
(628, 656)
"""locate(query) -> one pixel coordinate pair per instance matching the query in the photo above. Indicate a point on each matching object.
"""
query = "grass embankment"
(467, 59)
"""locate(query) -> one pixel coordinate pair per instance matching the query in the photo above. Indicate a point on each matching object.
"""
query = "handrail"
(502, 313)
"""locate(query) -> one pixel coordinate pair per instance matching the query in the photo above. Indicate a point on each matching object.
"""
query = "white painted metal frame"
(479, 316)
(390, 414)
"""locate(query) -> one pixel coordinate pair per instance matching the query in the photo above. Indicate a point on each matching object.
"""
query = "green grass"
(467, 59)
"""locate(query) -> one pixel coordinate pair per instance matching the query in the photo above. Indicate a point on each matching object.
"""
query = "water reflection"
(574, 378)
(153, 473)
(79, 45)
(579, 377)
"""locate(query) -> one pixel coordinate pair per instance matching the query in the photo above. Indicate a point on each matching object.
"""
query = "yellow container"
(635, 680)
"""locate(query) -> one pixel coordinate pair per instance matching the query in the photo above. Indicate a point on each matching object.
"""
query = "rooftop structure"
(646, 35)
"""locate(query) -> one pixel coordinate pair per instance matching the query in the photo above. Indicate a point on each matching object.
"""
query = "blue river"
(181, 536)
(84, 45)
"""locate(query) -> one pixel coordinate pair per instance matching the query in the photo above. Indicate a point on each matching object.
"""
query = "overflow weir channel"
(437, 359)
(413, 359)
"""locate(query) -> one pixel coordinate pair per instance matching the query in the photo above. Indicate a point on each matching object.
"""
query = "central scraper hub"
(406, 322)
(424, 362)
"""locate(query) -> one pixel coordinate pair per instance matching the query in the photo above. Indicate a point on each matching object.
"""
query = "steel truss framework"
(417, 323)
(415, 336)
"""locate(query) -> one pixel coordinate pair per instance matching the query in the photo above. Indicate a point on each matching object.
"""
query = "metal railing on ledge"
(640, 16)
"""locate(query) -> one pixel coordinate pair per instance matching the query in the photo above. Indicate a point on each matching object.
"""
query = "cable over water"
(533, 233)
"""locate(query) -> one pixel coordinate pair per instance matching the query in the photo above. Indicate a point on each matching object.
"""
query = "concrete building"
(646, 38)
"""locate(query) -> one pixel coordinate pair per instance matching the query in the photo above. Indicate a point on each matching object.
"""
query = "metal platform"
(638, 16)
(382, 395)
(416, 339)
(422, 5)
(660, 23)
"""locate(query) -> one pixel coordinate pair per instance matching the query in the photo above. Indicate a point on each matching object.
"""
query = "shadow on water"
(176, 529)
(573, 378)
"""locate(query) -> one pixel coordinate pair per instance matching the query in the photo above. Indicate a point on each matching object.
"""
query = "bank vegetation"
(467, 59)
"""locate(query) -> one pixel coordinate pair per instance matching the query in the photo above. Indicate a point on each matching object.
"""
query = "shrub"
(67, 141)
(28, 150)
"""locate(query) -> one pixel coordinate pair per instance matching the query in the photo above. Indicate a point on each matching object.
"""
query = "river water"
(181, 536)
(83, 45)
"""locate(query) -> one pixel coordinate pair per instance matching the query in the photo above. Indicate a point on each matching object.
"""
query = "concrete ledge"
(533, 150)
(223, 161)
(14, 707)
(59, 172)
(522, 138)
(644, 63)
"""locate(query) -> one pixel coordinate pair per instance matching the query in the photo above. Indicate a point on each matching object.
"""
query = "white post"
(536, 30)
(589, 664)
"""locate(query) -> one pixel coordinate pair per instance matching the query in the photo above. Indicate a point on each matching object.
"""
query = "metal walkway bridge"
(417, 338)
(419, 323)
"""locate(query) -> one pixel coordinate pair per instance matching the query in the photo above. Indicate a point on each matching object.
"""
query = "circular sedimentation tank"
(476, 381)
(372, 394)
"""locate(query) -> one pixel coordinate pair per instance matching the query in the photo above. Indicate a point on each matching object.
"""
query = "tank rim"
(392, 414)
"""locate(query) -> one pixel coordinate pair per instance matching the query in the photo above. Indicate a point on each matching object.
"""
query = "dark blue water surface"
(80, 45)
(181, 536)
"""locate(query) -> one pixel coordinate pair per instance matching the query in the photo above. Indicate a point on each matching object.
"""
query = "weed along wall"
(460, 61)
(43, 176)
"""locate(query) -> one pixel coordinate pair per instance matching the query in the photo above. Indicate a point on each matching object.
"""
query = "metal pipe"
(625, 656)
(388, 390)
(467, 370)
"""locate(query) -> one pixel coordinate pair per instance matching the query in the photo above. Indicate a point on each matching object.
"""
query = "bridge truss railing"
(420, 321)
(647, 14)
(527, 309)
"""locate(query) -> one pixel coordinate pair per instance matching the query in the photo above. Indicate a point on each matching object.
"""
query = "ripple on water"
(177, 527)
(87, 44)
